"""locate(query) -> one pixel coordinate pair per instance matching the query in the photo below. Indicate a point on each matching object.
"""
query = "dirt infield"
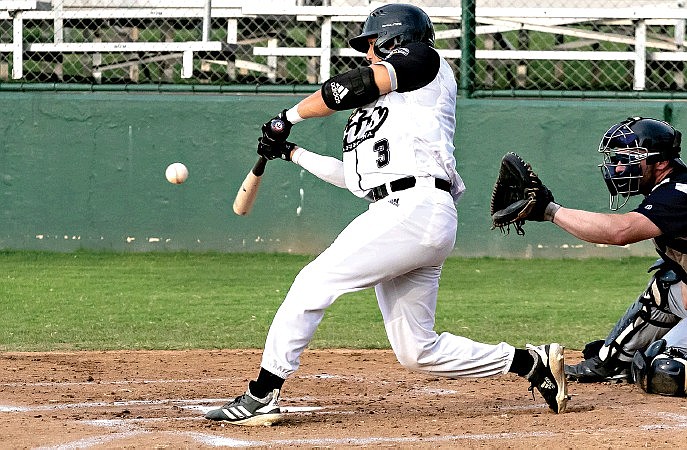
(338, 399)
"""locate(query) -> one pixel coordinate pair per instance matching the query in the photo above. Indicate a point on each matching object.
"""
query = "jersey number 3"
(382, 150)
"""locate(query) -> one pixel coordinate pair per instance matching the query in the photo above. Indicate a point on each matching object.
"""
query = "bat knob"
(278, 126)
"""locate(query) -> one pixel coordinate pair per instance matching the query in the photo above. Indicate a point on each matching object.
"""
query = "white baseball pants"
(677, 336)
(398, 246)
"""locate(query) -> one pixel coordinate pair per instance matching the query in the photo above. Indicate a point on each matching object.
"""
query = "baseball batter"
(398, 154)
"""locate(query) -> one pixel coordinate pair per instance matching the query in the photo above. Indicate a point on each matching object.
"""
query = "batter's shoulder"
(416, 65)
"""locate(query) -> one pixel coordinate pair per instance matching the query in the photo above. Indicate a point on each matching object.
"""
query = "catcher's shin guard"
(648, 319)
(644, 322)
(661, 370)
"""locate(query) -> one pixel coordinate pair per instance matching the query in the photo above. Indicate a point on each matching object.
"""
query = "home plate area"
(339, 398)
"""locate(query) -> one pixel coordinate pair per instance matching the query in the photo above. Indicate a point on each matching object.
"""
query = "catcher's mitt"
(518, 195)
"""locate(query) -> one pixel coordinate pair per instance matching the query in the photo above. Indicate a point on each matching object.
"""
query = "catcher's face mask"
(622, 163)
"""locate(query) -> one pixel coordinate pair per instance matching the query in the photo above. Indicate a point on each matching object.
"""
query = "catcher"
(648, 345)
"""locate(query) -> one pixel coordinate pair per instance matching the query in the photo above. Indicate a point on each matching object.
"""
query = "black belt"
(381, 191)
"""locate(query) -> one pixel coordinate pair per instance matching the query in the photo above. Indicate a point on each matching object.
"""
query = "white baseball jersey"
(404, 133)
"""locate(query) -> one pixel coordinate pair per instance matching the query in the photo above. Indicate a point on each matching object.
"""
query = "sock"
(265, 384)
(523, 362)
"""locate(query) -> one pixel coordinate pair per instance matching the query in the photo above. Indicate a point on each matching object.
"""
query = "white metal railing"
(548, 20)
(558, 21)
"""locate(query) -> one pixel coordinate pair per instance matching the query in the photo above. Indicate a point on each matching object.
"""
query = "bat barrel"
(248, 192)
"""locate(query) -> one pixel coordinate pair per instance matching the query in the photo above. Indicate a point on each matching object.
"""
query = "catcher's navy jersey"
(666, 207)
(409, 131)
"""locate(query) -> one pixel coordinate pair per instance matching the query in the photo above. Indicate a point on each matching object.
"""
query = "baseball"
(176, 173)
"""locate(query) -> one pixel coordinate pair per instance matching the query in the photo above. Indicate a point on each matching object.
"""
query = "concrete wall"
(86, 170)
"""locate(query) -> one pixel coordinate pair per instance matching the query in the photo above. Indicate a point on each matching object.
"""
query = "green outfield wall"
(85, 170)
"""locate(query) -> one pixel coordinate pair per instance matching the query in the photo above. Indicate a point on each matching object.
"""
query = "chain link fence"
(573, 45)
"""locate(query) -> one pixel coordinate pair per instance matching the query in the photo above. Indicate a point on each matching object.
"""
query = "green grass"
(92, 300)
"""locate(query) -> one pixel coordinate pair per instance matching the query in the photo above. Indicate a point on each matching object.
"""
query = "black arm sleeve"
(416, 65)
(351, 89)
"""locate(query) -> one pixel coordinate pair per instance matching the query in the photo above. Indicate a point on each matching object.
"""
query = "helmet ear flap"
(382, 50)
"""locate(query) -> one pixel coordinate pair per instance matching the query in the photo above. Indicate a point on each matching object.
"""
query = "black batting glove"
(270, 149)
(278, 128)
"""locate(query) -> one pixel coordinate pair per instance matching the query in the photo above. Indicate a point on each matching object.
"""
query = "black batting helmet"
(394, 25)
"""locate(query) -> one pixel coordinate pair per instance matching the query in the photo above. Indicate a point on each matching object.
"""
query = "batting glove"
(270, 149)
(278, 128)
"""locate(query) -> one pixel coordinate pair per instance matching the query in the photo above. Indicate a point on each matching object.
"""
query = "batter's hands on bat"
(278, 128)
(270, 149)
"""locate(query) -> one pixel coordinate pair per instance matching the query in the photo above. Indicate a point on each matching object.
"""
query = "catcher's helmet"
(626, 144)
(661, 370)
(394, 25)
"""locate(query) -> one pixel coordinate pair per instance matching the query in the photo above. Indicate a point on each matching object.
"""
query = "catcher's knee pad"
(648, 319)
(661, 370)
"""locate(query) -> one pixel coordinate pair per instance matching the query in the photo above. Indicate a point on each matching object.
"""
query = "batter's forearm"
(326, 168)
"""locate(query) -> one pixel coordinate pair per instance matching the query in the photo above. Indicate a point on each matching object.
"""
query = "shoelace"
(235, 401)
(531, 389)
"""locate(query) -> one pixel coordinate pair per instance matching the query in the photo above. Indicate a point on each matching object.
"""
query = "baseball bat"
(245, 197)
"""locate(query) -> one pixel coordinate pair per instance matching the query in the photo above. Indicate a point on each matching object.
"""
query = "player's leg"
(408, 306)
(677, 336)
(378, 245)
(346, 266)
(648, 319)
(389, 239)
(662, 367)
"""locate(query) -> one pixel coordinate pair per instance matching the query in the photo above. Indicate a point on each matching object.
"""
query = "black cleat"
(548, 376)
(593, 370)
